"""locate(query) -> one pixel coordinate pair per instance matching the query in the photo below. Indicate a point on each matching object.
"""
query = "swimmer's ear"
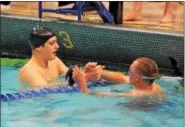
(138, 78)
(37, 49)
(40, 48)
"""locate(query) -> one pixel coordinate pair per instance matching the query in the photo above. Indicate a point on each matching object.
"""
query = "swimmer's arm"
(57, 84)
(83, 88)
(61, 66)
(112, 94)
(114, 77)
(130, 94)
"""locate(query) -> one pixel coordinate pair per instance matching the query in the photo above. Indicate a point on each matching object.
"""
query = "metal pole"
(40, 9)
(116, 9)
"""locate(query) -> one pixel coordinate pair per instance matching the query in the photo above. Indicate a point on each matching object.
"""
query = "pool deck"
(152, 13)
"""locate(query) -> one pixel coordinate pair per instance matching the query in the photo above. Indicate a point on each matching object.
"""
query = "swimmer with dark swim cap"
(44, 67)
(39, 36)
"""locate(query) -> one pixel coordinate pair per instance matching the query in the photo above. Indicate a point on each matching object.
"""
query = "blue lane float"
(44, 91)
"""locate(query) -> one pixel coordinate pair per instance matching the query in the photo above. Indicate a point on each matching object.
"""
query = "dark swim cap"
(39, 36)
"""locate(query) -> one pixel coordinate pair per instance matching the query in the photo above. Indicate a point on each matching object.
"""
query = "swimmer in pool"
(45, 67)
(142, 73)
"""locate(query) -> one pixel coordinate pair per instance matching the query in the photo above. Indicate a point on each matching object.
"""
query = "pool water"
(81, 110)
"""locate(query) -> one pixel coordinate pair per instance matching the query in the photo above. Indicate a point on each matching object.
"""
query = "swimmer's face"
(134, 77)
(50, 48)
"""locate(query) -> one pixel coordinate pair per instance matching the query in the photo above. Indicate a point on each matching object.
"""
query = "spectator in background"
(5, 5)
(136, 13)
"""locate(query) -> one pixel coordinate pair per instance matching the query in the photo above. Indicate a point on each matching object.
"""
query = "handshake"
(92, 72)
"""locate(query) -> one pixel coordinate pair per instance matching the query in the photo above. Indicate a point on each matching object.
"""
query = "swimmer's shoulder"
(30, 76)
(27, 70)
(58, 60)
(55, 62)
(61, 66)
(157, 89)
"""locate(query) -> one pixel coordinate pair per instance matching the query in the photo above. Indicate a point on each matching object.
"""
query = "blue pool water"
(81, 110)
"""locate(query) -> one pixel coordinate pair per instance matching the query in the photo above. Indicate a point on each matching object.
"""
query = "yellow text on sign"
(66, 40)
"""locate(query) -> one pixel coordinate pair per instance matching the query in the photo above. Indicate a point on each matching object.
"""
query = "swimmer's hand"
(89, 66)
(80, 78)
(93, 71)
